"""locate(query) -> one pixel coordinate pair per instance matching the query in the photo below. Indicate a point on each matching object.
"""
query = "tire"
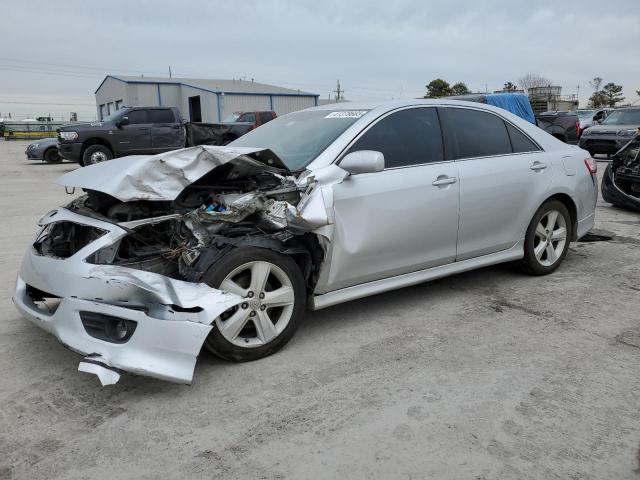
(237, 334)
(52, 156)
(96, 154)
(540, 260)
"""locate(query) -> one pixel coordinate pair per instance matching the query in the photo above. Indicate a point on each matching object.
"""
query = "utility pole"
(169, 71)
(339, 92)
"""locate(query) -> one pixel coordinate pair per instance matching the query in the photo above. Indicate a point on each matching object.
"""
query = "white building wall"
(142, 94)
(208, 103)
(230, 103)
(170, 95)
(287, 104)
(110, 92)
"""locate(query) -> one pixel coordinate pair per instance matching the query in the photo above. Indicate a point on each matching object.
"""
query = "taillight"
(578, 129)
(591, 165)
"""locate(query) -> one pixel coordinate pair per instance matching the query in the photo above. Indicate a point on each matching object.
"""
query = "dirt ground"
(485, 375)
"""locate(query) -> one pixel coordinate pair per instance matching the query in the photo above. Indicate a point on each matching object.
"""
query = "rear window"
(476, 133)
(161, 115)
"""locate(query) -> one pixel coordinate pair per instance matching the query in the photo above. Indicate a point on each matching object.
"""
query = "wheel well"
(95, 141)
(568, 202)
(44, 154)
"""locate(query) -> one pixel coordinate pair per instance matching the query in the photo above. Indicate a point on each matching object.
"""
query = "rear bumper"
(70, 151)
(166, 340)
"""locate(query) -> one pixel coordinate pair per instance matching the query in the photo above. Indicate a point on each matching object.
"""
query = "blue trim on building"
(159, 96)
(142, 81)
(219, 109)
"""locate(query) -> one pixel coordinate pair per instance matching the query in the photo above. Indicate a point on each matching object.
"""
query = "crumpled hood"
(165, 176)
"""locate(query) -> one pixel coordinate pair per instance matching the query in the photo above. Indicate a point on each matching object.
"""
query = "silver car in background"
(227, 246)
(613, 133)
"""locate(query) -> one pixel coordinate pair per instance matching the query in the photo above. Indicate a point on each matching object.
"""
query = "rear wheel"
(96, 154)
(52, 156)
(274, 294)
(547, 239)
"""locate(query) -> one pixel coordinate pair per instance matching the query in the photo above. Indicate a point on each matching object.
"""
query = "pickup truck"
(144, 131)
(565, 126)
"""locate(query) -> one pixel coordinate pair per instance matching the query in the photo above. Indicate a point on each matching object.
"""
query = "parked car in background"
(45, 149)
(613, 133)
(621, 178)
(565, 126)
(591, 117)
(255, 118)
(224, 246)
(146, 131)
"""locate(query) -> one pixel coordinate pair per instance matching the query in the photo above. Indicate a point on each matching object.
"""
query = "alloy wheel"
(550, 238)
(266, 309)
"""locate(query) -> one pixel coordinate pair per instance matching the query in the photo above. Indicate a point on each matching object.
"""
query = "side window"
(408, 137)
(520, 142)
(137, 117)
(476, 133)
(247, 117)
(161, 115)
(265, 117)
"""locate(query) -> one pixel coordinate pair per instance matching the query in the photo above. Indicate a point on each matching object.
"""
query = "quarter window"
(476, 133)
(408, 137)
(520, 142)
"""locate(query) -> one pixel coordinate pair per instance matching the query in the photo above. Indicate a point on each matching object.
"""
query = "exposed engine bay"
(626, 168)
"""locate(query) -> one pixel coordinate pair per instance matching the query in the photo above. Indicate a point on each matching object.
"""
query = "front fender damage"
(181, 212)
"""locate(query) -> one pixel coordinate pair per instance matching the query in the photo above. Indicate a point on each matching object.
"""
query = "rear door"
(404, 218)
(166, 132)
(503, 174)
(135, 137)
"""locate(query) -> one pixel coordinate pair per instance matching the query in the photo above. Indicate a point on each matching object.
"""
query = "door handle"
(537, 166)
(443, 180)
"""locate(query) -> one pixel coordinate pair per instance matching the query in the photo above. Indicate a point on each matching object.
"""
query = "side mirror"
(123, 121)
(363, 161)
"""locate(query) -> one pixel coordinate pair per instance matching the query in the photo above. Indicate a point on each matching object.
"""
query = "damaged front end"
(117, 274)
(621, 179)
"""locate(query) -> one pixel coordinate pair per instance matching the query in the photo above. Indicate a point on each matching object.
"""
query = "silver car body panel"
(379, 231)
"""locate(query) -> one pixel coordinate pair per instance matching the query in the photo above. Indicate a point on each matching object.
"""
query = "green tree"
(612, 94)
(510, 87)
(638, 92)
(597, 100)
(460, 89)
(438, 88)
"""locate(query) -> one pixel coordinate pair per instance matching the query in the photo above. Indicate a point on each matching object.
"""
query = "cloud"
(378, 50)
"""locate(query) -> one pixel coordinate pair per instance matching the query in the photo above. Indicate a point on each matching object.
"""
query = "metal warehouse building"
(199, 100)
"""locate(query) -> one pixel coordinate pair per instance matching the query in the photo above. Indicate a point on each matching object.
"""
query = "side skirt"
(407, 279)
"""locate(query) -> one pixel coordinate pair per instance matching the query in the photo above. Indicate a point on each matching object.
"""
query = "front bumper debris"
(172, 318)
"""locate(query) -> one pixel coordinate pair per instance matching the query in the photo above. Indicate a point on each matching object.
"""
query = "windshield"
(298, 138)
(113, 116)
(623, 117)
(585, 114)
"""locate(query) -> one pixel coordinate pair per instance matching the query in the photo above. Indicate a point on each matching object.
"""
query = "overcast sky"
(56, 53)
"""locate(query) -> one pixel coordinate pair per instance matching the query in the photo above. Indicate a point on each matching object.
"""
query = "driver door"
(404, 218)
(135, 137)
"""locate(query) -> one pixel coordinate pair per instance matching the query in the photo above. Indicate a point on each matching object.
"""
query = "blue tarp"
(516, 103)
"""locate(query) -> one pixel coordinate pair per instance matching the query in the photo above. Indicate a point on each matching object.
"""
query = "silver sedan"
(225, 247)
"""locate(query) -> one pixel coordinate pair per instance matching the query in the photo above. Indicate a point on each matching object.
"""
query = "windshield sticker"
(347, 114)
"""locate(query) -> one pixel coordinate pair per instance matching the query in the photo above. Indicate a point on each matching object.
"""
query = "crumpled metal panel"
(163, 176)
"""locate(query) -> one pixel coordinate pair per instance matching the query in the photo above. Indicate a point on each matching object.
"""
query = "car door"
(404, 218)
(135, 136)
(503, 174)
(166, 132)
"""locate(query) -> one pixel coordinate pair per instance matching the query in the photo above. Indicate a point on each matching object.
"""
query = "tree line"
(608, 95)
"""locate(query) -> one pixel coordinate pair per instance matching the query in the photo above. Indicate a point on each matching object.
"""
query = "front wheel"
(96, 154)
(547, 240)
(52, 156)
(274, 295)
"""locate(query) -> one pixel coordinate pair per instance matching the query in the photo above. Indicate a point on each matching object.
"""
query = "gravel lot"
(485, 375)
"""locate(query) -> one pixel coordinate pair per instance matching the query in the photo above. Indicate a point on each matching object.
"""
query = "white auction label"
(347, 114)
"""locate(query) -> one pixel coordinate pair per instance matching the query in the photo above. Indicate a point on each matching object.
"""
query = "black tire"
(530, 264)
(52, 156)
(225, 349)
(88, 157)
